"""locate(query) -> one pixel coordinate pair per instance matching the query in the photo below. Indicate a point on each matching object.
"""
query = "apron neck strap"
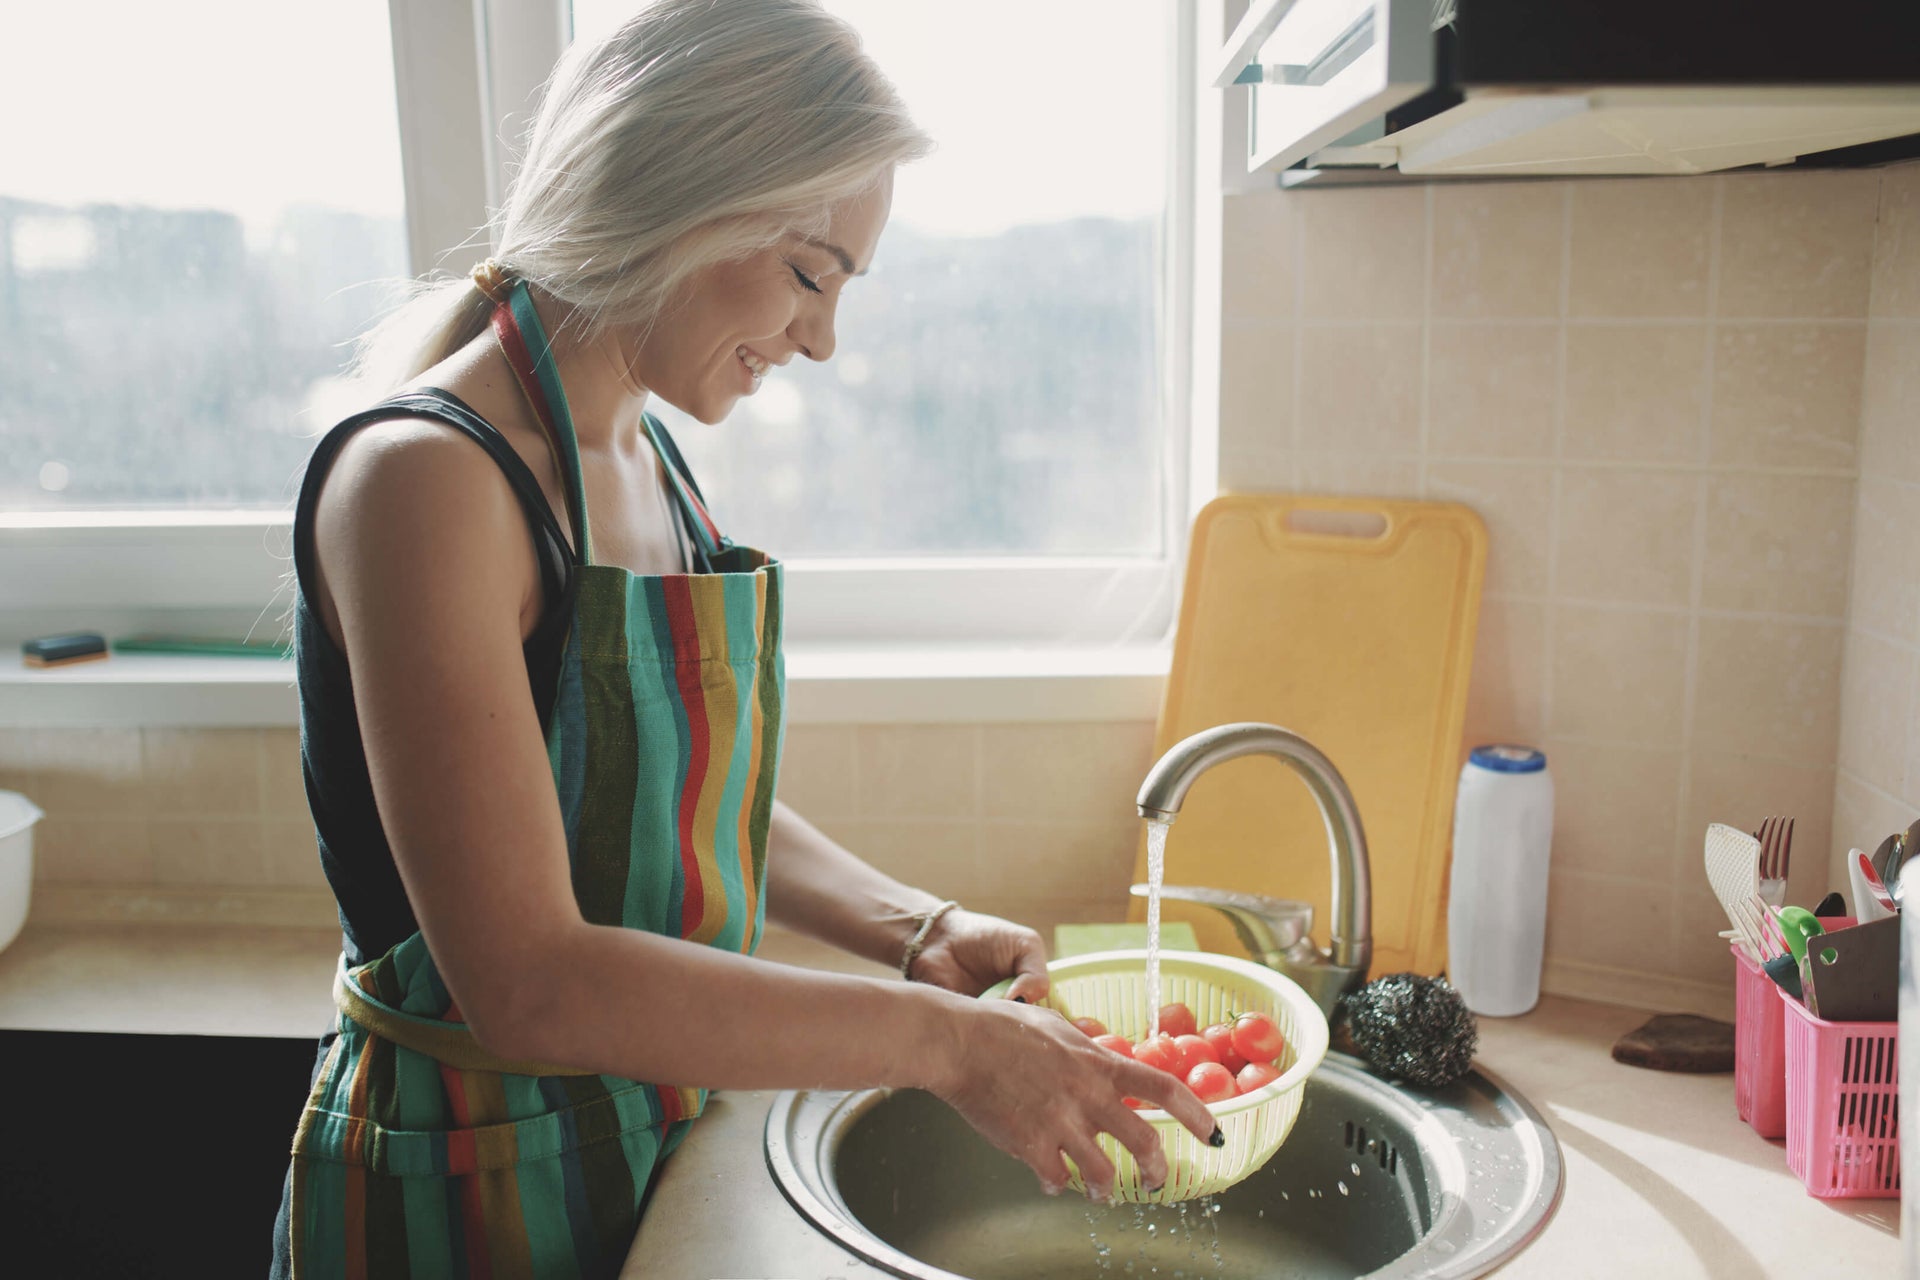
(529, 352)
(711, 540)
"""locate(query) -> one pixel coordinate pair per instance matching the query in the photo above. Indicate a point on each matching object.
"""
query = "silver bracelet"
(917, 943)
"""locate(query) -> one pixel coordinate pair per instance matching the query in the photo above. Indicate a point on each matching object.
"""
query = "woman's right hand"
(1036, 1087)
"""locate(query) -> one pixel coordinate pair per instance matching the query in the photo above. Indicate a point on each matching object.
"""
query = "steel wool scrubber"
(1413, 1028)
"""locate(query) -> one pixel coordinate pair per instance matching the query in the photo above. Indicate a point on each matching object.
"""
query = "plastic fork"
(1776, 850)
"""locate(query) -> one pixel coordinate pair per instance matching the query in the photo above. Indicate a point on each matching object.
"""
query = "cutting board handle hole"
(1337, 524)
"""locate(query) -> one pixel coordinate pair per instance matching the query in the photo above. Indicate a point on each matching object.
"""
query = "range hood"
(1378, 89)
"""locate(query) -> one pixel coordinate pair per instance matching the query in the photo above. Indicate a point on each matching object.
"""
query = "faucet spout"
(1332, 974)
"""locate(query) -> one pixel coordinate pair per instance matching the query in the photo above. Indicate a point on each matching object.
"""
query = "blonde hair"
(698, 132)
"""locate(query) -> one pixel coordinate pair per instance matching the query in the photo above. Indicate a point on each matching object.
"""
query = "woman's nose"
(813, 332)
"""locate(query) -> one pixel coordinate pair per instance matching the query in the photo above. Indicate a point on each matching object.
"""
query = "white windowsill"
(910, 686)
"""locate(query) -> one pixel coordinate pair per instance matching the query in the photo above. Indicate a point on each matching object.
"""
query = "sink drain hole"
(1378, 1148)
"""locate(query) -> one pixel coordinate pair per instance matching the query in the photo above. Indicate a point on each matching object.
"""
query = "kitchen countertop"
(1660, 1173)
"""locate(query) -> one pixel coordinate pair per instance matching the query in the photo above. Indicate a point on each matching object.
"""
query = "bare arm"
(425, 556)
(817, 888)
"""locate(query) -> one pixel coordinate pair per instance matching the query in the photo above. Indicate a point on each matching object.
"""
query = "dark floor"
(144, 1155)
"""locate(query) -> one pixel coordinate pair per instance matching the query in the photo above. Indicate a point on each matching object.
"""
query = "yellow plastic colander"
(1112, 986)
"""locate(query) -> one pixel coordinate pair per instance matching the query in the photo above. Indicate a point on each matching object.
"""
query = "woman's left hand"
(969, 952)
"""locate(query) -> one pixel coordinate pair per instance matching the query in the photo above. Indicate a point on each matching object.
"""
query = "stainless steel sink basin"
(1374, 1180)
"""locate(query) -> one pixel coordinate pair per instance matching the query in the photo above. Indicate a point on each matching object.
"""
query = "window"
(188, 233)
(998, 388)
(993, 456)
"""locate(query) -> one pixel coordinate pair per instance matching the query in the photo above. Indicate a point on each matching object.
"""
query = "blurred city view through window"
(185, 258)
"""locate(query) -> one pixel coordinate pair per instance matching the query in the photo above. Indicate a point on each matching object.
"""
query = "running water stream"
(1156, 873)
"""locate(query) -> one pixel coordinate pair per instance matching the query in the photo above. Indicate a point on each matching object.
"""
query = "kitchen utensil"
(1799, 925)
(1902, 854)
(1351, 623)
(1776, 847)
(1831, 905)
(1875, 902)
(1733, 870)
(1851, 975)
(1785, 972)
(1883, 853)
(1112, 986)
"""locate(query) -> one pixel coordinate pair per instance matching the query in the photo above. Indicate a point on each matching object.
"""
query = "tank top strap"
(556, 559)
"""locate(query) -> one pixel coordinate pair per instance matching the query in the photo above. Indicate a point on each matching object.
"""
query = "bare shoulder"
(408, 504)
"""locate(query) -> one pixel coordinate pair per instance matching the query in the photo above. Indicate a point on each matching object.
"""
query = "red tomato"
(1193, 1052)
(1220, 1036)
(1176, 1020)
(1255, 1074)
(1091, 1026)
(1211, 1082)
(1256, 1039)
(1119, 1044)
(1160, 1053)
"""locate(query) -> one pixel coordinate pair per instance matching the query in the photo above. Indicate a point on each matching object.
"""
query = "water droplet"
(1355, 1168)
(1443, 1246)
(1343, 1187)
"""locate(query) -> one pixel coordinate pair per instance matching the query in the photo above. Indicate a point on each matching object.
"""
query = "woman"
(542, 768)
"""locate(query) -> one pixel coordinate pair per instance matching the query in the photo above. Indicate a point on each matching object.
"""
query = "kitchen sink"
(1374, 1180)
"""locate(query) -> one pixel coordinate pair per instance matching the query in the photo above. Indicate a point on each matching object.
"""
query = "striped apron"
(418, 1153)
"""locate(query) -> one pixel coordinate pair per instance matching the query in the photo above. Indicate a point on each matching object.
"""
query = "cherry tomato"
(1211, 1082)
(1176, 1020)
(1256, 1039)
(1255, 1074)
(1220, 1036)
(1119, 1044)
(1193, 1051)
(1160, 1053)
(1091, 1026)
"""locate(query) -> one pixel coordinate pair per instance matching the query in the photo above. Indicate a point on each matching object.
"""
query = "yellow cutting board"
(1351, 622)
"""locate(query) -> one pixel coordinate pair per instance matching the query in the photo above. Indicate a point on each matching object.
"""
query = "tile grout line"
(1557, 485)
(1422, 476)
(1690, 695)
(1296, 255)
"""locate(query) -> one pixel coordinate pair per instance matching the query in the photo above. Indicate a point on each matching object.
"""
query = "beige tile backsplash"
(1877, 791)
(1692, 446)
(1689, 410)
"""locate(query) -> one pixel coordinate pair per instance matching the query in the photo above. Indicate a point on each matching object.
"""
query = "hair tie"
(490, 277)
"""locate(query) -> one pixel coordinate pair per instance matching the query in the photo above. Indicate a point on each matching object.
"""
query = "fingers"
(1030, 968)
(1096, 1171)
(1164, 1090)
(1143, 1140)
(1050, 1169)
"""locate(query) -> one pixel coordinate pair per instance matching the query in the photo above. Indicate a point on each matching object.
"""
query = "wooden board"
(1350, 622)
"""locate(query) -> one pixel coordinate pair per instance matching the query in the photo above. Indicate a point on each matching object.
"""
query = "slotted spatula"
(1733, 870)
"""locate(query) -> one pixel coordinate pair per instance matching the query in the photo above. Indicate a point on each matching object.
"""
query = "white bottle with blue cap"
(1497, 903)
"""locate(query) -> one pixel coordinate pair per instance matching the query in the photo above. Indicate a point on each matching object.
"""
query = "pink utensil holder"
(1759, 1049)
(1843, 1126)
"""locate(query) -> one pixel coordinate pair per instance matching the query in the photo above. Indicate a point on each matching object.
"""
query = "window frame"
(464, 74)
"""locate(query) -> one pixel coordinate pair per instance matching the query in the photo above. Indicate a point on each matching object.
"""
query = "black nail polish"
(1154, 1191)
(1219, 1137)
(1020, 1000)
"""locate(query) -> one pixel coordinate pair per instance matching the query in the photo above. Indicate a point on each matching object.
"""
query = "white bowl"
(17, 816)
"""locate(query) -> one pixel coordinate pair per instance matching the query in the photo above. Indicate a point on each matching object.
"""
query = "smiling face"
(742, 318)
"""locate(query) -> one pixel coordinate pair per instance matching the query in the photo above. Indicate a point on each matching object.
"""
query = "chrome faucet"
(1275, 930)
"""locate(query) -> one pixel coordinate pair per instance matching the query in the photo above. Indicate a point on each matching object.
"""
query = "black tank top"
(375, 915)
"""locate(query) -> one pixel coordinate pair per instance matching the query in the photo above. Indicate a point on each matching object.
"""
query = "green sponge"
(1079, 939)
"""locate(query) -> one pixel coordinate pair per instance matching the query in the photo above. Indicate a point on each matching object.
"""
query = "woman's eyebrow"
(841, 255)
